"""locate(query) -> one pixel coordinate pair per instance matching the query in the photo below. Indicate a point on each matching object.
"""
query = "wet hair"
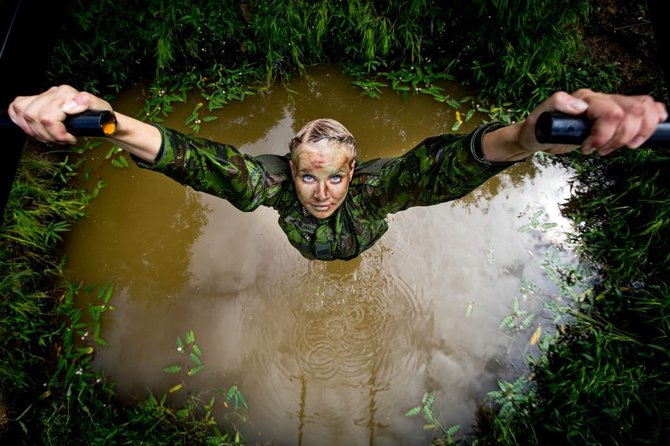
(320, 129)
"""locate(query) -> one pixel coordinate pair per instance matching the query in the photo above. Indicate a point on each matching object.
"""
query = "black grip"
(89, 123)
(558, 128)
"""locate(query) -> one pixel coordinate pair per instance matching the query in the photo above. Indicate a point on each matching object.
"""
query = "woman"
(330, 207)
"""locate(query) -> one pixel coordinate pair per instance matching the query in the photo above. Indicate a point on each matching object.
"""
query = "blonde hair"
(320, 129)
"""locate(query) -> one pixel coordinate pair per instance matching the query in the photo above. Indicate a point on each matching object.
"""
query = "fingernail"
(579, 105)
(69, 106)
(637, 141)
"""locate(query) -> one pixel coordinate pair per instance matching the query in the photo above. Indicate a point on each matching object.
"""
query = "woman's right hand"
(41, 116)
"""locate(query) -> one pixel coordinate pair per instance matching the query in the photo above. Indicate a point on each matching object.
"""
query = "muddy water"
(324, 352)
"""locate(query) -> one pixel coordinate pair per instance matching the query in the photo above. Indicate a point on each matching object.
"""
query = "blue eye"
(307, 178)
(336, 179)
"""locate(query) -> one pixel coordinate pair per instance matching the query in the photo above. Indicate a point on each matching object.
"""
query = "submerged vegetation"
(606, 379)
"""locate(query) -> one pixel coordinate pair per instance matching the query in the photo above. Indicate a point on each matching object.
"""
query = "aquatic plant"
(443, 436)
(604, 377)
(49, 390)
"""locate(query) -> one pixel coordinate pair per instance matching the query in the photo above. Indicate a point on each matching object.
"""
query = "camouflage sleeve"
(439, 169)
(211, 167)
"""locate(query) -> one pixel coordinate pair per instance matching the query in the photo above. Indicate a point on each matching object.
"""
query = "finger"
(41, 116)
(45, 121)
(648, 125)
(638, 122)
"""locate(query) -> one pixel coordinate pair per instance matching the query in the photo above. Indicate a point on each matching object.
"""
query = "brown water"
(325, 353)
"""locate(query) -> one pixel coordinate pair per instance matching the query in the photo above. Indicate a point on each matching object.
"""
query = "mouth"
(321, 207)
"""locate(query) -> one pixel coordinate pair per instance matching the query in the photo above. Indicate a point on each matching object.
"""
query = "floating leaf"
(176, 387)
(536, 335)
(195, 370)
(175, 368)
(414, 411)
(468, 310)
(453, 103)
(453, 429)
(195, 358)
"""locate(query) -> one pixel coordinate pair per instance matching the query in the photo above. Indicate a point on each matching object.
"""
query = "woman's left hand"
(618, 121)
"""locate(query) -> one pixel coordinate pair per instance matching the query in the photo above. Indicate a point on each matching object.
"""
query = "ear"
(352, 166)
(290, 163)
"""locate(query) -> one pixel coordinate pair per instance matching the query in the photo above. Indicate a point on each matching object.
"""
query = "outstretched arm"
(618, 121)
(42, 116)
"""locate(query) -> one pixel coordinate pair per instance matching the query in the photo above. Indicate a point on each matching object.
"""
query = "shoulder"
(370, 172)
(276, 167)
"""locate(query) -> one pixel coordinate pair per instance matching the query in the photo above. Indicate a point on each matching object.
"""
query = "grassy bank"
(50, 394)
(605, 381)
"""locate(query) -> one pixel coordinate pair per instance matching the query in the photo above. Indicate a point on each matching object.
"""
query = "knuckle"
(582, 92)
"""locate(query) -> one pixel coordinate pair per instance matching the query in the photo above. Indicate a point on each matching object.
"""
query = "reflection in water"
(324, 352)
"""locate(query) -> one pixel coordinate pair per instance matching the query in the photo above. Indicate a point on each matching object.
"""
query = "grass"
(51, 393)
(607, 378)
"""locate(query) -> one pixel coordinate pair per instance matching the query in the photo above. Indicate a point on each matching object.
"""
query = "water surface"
(324, 352)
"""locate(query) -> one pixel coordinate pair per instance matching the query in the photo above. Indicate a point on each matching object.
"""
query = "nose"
(321, 192)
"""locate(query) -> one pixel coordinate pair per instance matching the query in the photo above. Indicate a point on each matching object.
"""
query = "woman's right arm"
(42, 117)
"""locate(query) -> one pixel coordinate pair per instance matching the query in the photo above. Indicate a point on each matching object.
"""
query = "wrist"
(503, 145)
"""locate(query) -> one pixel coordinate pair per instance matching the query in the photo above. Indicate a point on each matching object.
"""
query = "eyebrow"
(340, 170)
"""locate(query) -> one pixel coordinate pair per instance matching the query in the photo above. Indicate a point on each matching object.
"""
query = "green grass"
(607, 379)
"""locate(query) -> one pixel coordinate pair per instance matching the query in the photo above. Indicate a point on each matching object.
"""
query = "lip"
(322, 207)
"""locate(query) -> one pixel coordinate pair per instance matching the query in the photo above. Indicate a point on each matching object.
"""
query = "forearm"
(502, 145)
(137, 137)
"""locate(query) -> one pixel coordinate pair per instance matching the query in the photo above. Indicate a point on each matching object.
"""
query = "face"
(321, 174)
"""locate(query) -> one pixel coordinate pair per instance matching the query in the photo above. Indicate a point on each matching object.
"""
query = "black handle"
(88, 123)
(558, 128)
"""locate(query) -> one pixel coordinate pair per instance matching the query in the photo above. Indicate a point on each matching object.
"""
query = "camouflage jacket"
(439, 169)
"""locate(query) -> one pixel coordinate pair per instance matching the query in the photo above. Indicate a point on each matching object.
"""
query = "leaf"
(195, 358)
(195, 370)
(453, 429)
(172, 369)
(176, 387)
(116, 162)
(180, 345)
(190, 337)
(197, 350)
(536, 335)
(414, 411)
(453, 103)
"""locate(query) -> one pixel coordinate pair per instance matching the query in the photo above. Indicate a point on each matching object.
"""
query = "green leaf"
(172, 369)
(414, 411)
(197, 350)
(453, 103)
(195, 370)
(453, 429)
(195, 358)
(190, 337)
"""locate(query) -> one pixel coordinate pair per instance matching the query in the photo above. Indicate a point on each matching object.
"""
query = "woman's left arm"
(618, 121)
